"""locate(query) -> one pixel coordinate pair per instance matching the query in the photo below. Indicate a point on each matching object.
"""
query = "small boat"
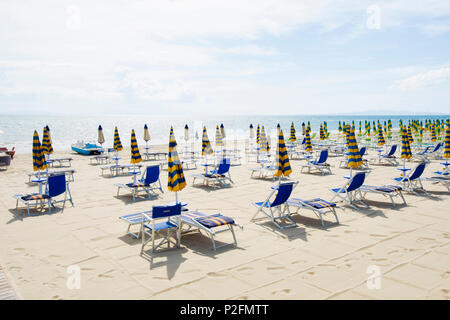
(87, 148)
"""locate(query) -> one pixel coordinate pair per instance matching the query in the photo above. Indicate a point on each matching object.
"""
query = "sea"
(17, 130)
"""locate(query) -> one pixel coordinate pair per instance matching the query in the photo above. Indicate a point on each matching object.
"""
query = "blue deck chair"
(320, 164)
(319, 206)
(211, 224)
(350, 192)
(389, 157)
(161, 219)
(412, 182)
(422, 155)
(435, 151)
(277, 210)
(56, 185)
(445, 180)
(149, 181)
(220, 175)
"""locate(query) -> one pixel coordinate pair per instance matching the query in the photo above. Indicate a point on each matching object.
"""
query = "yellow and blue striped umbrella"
(176, 181)
(283, 164)
(101, 137)
(39, 162)
(292, 137)
(321, 133)
(117, 143)
(433, 133)
(258, 135)
(206, 145)
(308, 146)
(354, 156)
(447, 143)
(264, 141)
(135, 154)
(219, 141)
(410, 137)
(46, 141)
(406, 148)
(381, 141)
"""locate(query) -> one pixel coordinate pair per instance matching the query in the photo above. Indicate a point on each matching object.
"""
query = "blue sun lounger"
(388, 157)
(211, 224)
(350, 192)
(388, 191)
(320, 164)
(149, 181)
(56, 185)
(319, 206)
(445, 180)
(412, 182)
(278, 209)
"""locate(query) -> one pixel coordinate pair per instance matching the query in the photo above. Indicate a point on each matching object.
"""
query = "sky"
(224, 57)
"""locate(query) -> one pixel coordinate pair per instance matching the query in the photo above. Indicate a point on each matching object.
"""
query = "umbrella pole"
(176, 197)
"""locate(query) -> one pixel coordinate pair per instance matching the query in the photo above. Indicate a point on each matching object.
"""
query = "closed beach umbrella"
(39, 162)
(303, 128)
(206, 145)
(447, 143)
(264, 143)
(321, 133)
(410, 137)
(308, 146)
(339, 127)
(406, 148)
(47, 142)
(101, 137)
(354, 156)
(283, 165)
(292, 136)
(186, 132)
(175, 181)
(308, 127)
(117, 144)
(252, 131)
(135, 154)
(222, 131)
(381, 141)
(146, 134)
(258, 136)
(219, 141)
(433, 133)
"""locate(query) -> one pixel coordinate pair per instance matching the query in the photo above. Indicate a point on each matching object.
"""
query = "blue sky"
(225, 57)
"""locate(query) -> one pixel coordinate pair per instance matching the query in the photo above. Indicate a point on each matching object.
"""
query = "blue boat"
(87, 148)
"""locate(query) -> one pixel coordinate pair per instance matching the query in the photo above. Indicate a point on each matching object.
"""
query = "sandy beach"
(409, 245)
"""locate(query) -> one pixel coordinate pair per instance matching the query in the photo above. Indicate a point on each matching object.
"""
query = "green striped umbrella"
(339, 127)
(354, 159)
(100, 137)
(292, 136)
(308, 146)
(117, 143)
(39, 162)
(219, 141)
(47, 142)
(283, 165)
(135, 154)
(175, 180)
(381, 141)
(206, 145)
(308, 127)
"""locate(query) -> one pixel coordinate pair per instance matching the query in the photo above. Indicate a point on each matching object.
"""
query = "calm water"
(17, 130)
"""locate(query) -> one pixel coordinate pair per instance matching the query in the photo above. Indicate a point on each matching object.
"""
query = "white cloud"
(424, 79)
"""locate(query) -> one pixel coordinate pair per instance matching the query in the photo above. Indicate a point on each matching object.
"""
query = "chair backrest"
(303, 141)
(224, 166)
(357, 181)
(437, 147)
(323, 156)
(166, 211)
(362, 151)
(56, 185)
(392, 150)
(417, 173)
(283, 194)
(151, 174)
(425, 151)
